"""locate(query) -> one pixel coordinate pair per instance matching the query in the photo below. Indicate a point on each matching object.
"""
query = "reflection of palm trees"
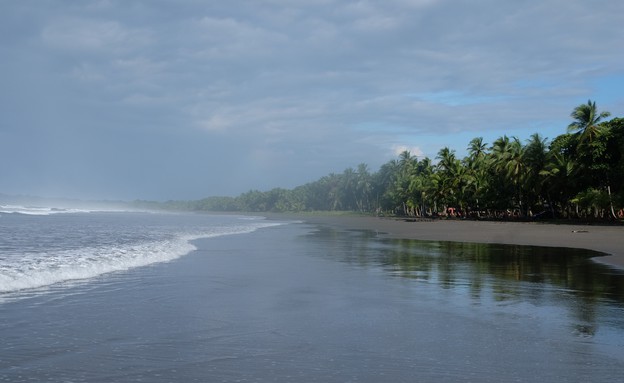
(510, 264)
(586, 316)
(494, 273)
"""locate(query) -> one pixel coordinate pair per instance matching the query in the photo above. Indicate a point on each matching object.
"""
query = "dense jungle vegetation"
(579, 174)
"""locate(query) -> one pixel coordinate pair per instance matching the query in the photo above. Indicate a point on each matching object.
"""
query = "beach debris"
(580, 231)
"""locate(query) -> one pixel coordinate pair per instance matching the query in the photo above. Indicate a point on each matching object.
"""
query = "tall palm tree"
(476, 170)
(535, 159)
(499, 160)
(516, 170)
(384, 185)
(425, 173)
(558, 178)
(448, 170)
(586, 122)
(348, 189)
(500, 154)
(477, 149)
(447, 158)
(363, 187)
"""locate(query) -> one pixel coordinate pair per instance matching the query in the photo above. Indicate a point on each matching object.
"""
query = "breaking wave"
(42, 210)
(33, 270)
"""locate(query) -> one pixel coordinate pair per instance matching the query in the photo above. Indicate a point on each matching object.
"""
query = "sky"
(184, 99)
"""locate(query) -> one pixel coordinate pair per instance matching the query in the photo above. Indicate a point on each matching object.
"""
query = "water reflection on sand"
(561, 287)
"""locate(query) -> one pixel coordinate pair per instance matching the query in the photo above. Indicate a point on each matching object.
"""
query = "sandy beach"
(605, 239)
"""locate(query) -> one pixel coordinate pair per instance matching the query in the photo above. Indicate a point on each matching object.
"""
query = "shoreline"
(608, 240)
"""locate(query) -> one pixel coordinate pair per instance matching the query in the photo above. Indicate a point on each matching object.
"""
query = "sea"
(138, 296)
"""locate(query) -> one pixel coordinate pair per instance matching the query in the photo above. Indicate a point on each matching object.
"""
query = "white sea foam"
(45, 210)
(55, 267)
(34, 210)
(47, 268)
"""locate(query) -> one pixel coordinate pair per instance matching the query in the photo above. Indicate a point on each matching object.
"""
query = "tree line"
(579, 174)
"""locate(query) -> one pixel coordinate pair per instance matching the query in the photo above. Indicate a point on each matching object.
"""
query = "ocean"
(118, 296)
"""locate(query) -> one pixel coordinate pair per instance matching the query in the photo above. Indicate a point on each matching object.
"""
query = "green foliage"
(578, 174)
(586, 121)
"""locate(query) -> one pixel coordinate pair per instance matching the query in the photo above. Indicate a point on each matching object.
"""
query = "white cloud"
(86, 72)
(215, 123)
(141, 99)
(231, 38)
(94, 36)
(414, 150)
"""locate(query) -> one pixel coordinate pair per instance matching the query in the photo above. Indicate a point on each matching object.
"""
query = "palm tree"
(586, 118)
(404, 186)
(384, 181)
(500, 154)
(535, 158)
(558, 177)
(498, 160)
(425, 173)
(461, 182)
(363, 187)
(447, 158)
(476, 169)
(477, 149)
(516, 169)
(449, 171)
(587, 123)
(348, 189)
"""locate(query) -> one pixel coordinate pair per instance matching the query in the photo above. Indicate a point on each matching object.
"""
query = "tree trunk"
(611, 202)
(550, 204)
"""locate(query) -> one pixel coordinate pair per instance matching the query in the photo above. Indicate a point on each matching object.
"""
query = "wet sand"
(605, 239)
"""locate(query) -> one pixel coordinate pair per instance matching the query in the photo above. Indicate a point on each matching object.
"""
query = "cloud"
(94, 36)
(455, 98)
(228, 38)
(321, 84)
(413, 150)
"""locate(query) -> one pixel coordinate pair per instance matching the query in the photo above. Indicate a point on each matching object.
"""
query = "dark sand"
(605, 239)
